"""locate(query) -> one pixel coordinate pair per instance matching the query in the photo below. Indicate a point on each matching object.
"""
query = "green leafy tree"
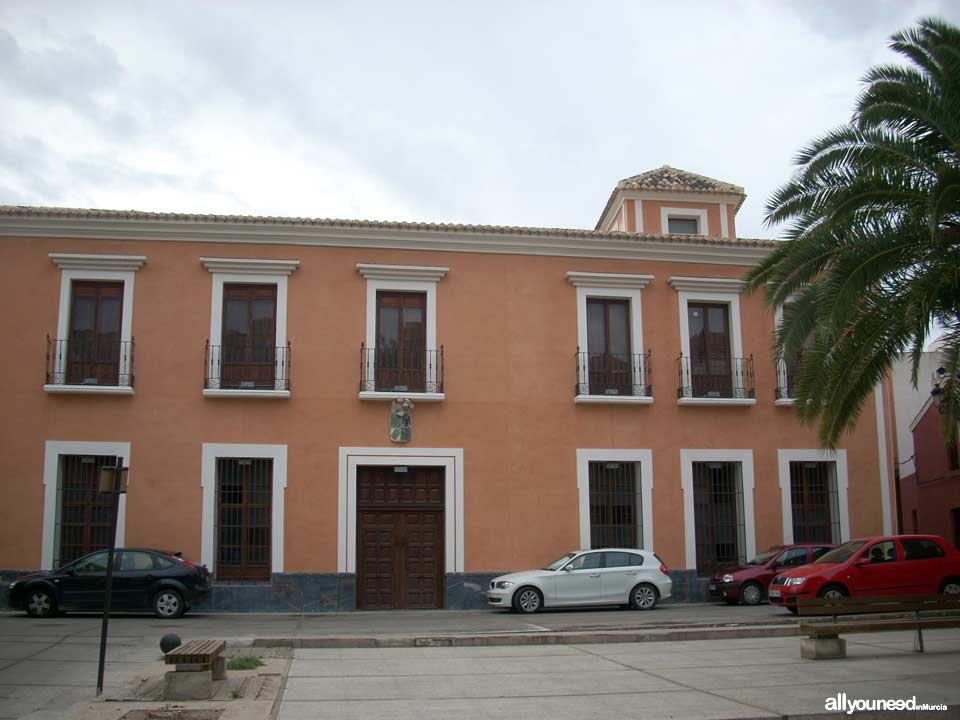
(872, 254)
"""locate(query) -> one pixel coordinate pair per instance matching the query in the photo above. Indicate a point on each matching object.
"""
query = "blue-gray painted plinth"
(285, 593)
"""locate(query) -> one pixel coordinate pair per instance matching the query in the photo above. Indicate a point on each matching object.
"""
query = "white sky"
(507, 113)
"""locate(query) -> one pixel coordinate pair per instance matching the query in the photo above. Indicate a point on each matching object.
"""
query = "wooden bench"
(198, 664)
(823, 638)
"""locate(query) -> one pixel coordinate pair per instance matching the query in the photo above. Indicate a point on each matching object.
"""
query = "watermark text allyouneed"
(844, 703)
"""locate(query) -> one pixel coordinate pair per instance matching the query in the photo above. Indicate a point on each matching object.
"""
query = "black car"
(142, 580)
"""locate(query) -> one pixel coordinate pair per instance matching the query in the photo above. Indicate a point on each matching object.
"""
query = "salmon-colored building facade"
(569, 388)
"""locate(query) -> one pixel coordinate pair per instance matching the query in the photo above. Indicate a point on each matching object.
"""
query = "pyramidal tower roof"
(666, 179)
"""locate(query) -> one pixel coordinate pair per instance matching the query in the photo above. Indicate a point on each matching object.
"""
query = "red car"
(885, 565)
(748, 584)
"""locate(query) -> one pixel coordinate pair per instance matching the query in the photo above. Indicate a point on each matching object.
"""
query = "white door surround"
(450, 459)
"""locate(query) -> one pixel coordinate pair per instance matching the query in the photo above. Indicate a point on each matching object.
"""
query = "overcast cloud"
(508, 113)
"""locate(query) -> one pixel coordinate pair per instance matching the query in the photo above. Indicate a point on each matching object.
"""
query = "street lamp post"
(112, 480)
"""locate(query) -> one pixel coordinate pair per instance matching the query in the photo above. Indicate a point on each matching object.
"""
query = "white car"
(605, 576)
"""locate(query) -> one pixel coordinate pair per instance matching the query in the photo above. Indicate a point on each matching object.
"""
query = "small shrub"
(244, 662)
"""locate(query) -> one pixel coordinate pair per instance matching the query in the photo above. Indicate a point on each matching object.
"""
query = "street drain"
(172, 715)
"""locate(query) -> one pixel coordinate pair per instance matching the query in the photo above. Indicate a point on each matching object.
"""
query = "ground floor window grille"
(615, 505)
(718, 515)
(83, 512)
(813, 499)
(244, 490)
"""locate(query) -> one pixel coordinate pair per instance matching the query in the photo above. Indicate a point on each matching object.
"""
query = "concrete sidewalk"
(707, 680)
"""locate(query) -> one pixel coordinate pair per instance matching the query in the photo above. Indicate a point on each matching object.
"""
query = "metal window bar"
(705, 377)
(97, 362)
(813, 502)
(247, 366)
(243, 520)
(615, 505)
(614, 374)
(83, 512)
(718, 515)
(392, 370)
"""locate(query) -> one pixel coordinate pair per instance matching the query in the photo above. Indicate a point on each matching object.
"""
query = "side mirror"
(565, 568)
(862, 561)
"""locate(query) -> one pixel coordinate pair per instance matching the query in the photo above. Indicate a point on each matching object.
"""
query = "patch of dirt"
(175, 714)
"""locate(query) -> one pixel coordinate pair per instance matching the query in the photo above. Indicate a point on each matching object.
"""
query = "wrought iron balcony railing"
(787, 379)
(246, 366)
(706, 377)
(407, 371)
(613, 374)
(94, 363)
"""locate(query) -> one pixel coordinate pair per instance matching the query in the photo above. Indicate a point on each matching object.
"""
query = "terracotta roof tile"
(144, 216)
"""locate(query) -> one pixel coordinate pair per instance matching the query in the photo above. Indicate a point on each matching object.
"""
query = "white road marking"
(537, 627)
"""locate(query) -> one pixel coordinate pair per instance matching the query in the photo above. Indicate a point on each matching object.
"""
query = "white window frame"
(208, 484)
(710, 290)
(668, 213)
(110, 268)
(687, 459)
(592, 285)
(248, 271)
(51, 474)
(781, 365)
(839, 460)
(401, 278)
(643, 459)
(450, 459)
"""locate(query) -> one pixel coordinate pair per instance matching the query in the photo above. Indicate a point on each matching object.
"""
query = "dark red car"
(884, 565)
(748, 584)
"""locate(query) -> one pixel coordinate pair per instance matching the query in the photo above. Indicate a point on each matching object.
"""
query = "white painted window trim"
(724, 222)
(839, 460)
(51, 471)
(644, 458)
(110, 268)
(208, 484)
(450, 459)
(683, 214)
(248, 271)
(687, 458)
(617, 286)
(401, 278)
(781, 365)
(710, 290)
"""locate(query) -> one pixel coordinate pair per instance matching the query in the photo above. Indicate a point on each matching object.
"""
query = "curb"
(534, 638)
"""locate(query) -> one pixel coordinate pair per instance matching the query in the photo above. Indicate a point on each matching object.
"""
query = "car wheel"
(832, 592)
(751, 594)
(644, 597)
(527, 600)
(168, 604)
(40, 603)
(950, 586)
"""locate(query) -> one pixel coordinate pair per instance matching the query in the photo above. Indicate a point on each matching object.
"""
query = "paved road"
(710, 679)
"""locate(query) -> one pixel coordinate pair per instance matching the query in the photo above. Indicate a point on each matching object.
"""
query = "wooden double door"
(400, 537)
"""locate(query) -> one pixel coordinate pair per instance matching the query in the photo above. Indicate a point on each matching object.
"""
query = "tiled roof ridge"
(718, 185)
(108, 214)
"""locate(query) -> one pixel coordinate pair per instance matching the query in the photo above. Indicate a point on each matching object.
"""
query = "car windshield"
(765, 556)
(842, 553)
(557, 564)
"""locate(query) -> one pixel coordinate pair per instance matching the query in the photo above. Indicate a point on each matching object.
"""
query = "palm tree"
(872, 255)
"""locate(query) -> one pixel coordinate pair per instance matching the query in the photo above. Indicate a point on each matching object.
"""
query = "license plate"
(774, 593)
(713, 586)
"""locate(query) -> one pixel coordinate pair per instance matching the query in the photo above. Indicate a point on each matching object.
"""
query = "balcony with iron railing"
(787, 373)
(91, 366)
(389, 373)
(614, 378)
(246, 370)
(715, 381)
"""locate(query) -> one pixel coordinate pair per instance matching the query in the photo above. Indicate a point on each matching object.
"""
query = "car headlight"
(727, 578)
(796, 581)
(504, 584)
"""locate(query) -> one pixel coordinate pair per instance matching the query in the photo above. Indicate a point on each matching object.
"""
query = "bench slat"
(842, 628)
(884, 603)
(195, 652)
